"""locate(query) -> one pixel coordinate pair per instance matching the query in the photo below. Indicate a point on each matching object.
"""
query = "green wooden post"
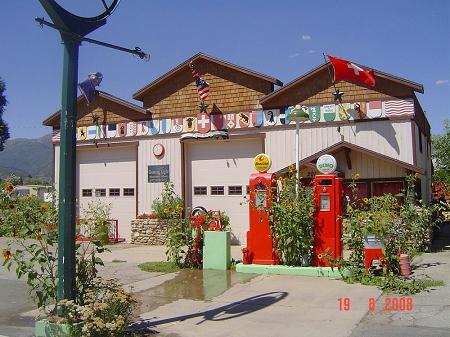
(67, 171)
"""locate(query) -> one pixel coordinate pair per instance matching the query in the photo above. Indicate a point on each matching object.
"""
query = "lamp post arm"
(136, 51)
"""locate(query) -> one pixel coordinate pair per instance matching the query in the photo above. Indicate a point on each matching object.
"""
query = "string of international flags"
(203, 123)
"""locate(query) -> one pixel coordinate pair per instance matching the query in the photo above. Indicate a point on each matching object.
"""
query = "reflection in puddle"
(192, 284)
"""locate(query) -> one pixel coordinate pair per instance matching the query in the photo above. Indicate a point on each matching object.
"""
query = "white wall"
(147, 192)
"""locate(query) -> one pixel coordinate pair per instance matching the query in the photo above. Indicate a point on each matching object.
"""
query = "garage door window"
(128, 192)
(217, 190)
(234, 190)
(200, 190)
(114, 192)
(100, 192)
(86, 193)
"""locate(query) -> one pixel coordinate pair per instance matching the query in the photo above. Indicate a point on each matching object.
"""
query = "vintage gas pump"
(328, 211)
(260, 249)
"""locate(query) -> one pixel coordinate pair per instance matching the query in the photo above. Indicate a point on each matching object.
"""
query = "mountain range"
(27, 158)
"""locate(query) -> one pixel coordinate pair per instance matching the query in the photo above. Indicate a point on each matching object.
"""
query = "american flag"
(56, 136)
(398, 108)
(202, 85)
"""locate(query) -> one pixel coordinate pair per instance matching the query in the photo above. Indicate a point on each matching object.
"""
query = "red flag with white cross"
(348, 71)
(203, 123)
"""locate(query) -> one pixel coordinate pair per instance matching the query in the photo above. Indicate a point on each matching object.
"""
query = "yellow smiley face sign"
(262, 162)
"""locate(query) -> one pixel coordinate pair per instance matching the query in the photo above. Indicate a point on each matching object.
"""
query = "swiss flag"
(348, 71)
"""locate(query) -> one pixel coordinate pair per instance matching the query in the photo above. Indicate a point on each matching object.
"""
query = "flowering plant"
(106, 311)
(169, 205)
(147, 216)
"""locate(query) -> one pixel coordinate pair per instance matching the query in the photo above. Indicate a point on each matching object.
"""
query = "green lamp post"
(298, 114)
(73, 29)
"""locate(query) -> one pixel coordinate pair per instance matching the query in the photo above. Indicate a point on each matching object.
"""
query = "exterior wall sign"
(203, 123)
(262, 162)
(158, 173)
(326, 164)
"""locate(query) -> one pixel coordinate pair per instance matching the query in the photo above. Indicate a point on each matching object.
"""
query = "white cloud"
(441, 82)
(306, 37)
(294, 55)
(311, 51)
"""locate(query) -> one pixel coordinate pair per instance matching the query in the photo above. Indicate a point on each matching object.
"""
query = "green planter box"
(44, 328)
(216, 250)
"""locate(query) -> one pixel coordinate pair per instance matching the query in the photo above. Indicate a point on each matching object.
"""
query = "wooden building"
(126, 152)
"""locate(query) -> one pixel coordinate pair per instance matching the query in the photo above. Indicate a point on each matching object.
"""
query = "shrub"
(291, 220)
(169, 205)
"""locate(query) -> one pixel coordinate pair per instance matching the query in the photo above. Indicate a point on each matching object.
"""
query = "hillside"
(28, 158)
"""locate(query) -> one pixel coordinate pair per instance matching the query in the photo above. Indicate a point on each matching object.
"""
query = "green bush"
(291, 221)
(169, 205)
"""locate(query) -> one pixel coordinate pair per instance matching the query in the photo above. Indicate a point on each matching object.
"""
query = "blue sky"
(284, 39)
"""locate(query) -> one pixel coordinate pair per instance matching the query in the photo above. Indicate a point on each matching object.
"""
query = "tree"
(4, 130)
(441, 155)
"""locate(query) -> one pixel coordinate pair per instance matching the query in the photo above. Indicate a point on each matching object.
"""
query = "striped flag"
(202, 85)
(398, 108)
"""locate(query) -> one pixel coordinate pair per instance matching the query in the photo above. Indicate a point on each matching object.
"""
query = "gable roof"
(328, 67)
(346, 145)
(135, 111)
(138, 95)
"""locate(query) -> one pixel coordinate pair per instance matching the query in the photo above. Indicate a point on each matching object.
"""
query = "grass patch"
(159, 267)
(395, 284)
(118, 261)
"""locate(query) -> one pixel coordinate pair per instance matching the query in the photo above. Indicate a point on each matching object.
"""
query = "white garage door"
(109, 175)
(217, 174)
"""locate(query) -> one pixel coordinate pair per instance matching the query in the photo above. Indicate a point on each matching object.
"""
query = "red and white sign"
(203, 123)
(132, 129)
(230, 121)
(177, 125)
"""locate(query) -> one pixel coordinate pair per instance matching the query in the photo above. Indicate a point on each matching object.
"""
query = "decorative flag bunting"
(203, 123)
(142, 128)
(314, 113)
(177, 125)
(216, 121)
(153, 125)
(271, 117)
(348, 71)
(398, 108)
(257, 118)
(91, 132)
(122, 129)
(81, 133)
(374, 109)
(343, 113)
(244, 119)
(101, 131)
(189, 124)
(111, 130)
(56, 136)
(284, 120)
(202, 85)
(230, 121)
(165, 125)
(132, 129)
(329, 112)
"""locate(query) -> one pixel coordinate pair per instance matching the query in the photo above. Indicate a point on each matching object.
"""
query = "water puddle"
(193, 284)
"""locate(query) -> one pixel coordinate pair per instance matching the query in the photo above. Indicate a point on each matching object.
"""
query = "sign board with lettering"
(158, 173)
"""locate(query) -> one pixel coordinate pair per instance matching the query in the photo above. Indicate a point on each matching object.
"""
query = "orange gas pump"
(260, 246)
(327, 217)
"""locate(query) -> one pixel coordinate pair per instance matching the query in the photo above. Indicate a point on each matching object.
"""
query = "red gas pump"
(327, 217)
(260, 247)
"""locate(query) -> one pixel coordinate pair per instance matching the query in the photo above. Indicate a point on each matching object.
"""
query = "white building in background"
(125, 158)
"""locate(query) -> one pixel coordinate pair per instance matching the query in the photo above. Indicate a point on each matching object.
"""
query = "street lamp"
(298, 114)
